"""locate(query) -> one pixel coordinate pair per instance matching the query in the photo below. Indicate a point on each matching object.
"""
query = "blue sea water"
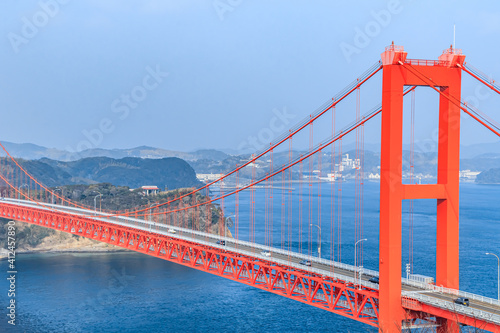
(130, 292)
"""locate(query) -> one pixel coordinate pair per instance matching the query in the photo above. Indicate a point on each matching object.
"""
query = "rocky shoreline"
(4, 253)
(31, 239)
(82, 249)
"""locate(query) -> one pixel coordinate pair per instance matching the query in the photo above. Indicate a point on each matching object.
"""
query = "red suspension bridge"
(173, 231)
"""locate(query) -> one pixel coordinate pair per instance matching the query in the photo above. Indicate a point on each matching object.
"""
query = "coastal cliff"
(32, 238)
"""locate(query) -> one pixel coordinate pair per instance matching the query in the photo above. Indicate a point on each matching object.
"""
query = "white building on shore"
(468, 175)
(208, 177)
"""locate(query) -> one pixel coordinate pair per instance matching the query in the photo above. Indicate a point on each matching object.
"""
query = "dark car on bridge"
(220, 242)
(462, 301)
(374, 279)
(305, 262)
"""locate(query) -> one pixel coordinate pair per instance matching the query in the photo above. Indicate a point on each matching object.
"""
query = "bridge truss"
(171, 230)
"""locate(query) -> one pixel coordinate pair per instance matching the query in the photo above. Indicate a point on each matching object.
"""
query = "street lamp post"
(355, 263)
(95, 201)
(319, 239)
(361, 271)
(498, 279)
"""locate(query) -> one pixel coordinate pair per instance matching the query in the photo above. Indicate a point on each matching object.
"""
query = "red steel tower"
(445, 75)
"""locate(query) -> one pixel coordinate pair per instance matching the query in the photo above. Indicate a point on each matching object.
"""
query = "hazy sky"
(194, 74)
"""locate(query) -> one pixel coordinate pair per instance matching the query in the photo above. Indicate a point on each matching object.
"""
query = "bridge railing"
(291, 254)
(156, 227)
(456, 308)
(425, 62)
(460, 293)
(147, 225)
(152, 226)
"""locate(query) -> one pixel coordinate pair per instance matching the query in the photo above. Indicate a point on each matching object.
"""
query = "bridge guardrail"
(319, 295)
(155, 226)
(348, 267)
(427, 299)
(475, 313)
(148, 226)
(460, 293)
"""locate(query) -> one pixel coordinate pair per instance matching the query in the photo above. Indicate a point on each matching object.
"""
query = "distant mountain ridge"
(215, 161)
(31, 151)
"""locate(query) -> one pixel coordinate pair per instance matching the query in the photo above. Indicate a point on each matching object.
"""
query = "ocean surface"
(130, 292)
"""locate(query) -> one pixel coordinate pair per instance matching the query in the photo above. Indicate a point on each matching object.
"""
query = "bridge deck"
(481, 308)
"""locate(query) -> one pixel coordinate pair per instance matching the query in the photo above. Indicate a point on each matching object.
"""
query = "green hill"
(491, 176)
(133, 172)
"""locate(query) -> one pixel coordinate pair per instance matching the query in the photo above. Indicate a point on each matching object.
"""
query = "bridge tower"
(445, 75)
